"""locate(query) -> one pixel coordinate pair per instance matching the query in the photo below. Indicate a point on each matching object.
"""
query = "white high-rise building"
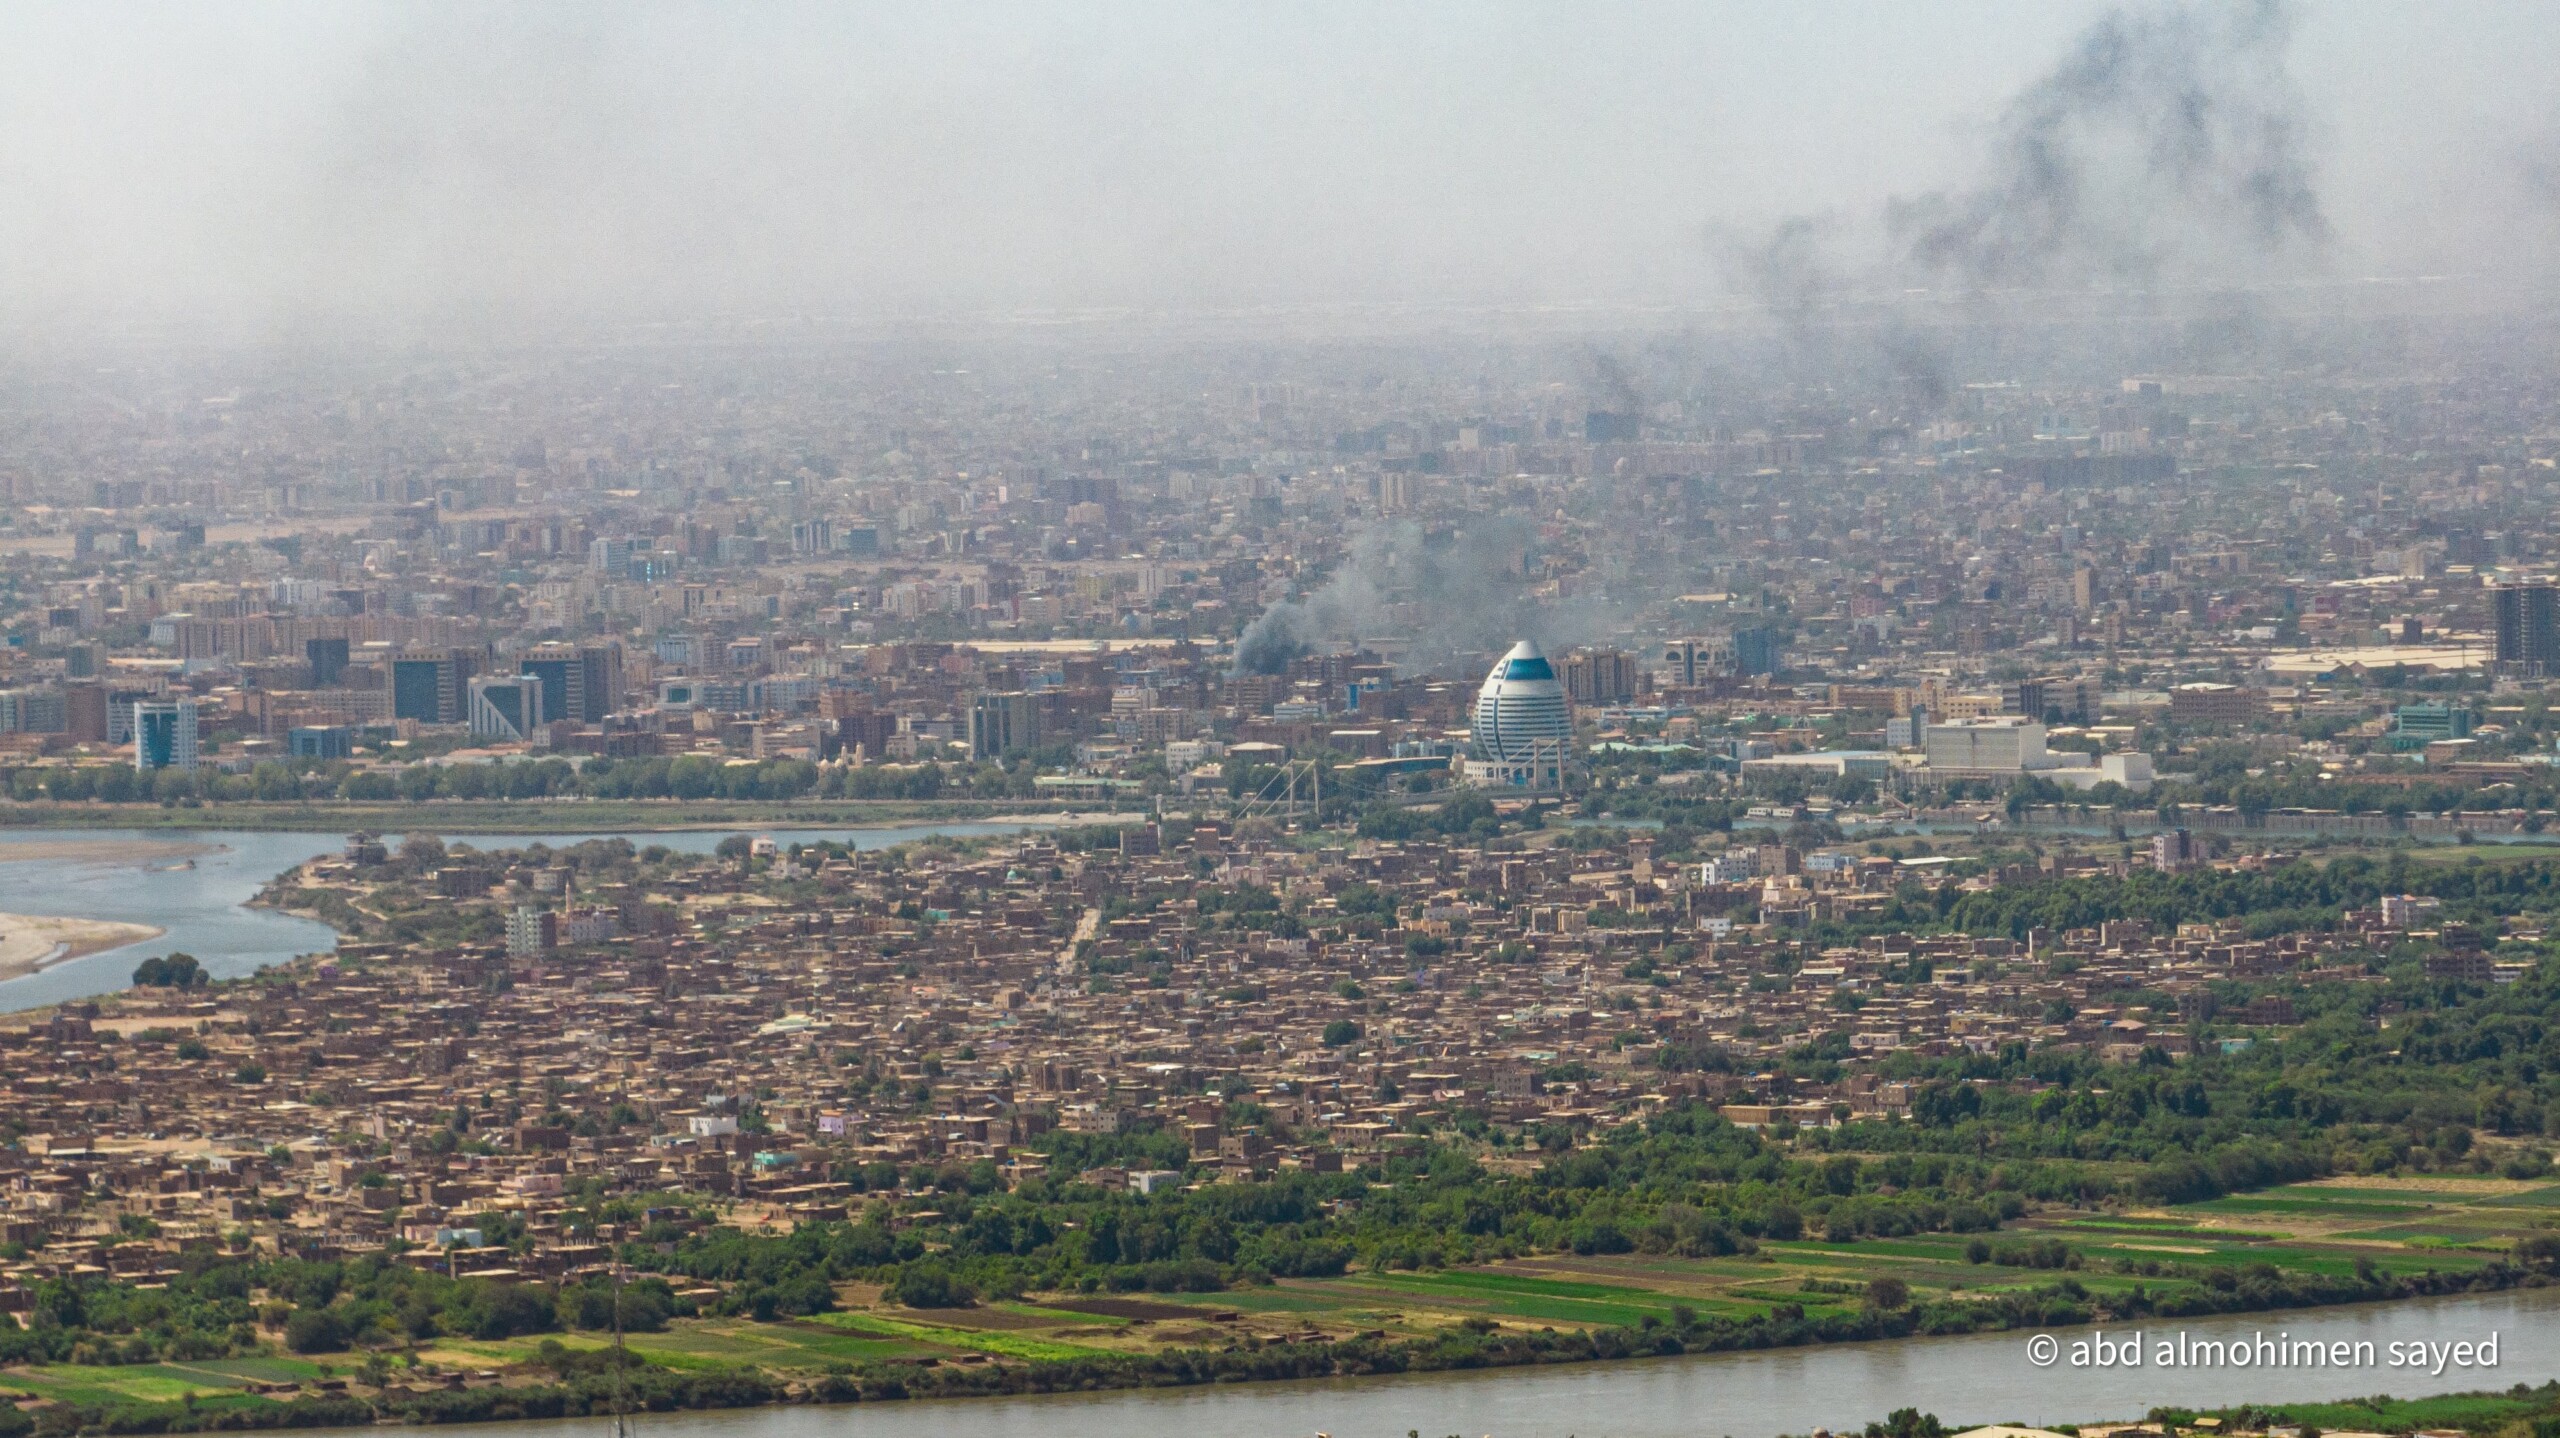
(506, 707)
(1524, 724)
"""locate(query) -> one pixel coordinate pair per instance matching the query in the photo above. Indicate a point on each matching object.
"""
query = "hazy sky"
(279, 165)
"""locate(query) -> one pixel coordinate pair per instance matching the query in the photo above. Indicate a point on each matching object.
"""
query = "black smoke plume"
(1622, 395)
(1920, 367)
(1790, 270)
(1267, 646)
(2169, 141)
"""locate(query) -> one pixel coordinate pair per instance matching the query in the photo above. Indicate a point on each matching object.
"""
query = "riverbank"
(570, 1375)
(30, 943)
(146, 852)
(2479, 1411)
(541, 816)
(2510, 1412)
(1556, 1382)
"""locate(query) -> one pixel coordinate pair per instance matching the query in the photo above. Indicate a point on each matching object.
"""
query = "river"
(202, 905)
(1965, 1381)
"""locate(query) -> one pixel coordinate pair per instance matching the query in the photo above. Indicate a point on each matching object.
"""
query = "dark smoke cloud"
(1791, 269)
(2166, 145)
(2170, 140)
(1620, 393)
(1795, 274)
(1285, 631)
(1466, 596)
(1920, 366)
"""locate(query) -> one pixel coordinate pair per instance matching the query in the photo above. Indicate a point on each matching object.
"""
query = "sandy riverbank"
(75, 849)
(29, 942)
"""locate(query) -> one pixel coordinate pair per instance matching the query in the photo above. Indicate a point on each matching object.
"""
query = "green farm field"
(2446, 1225)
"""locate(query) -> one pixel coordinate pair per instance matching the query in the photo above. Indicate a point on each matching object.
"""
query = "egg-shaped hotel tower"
(1523, 724)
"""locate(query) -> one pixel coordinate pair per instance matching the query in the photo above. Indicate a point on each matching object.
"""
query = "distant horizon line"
(2445, 296)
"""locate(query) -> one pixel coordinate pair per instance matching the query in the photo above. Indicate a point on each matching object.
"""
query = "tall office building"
(1002, 723)
(321, 741)
(581, 682)
(417, 684)
(164, 734)
(328, 661)
(2528, 628)
(1755, 651)
(84, 712)
(868, 731)
(555, 667)
(1689, 662)
(34, 710)
(121, 704)
(506, 707)
(2077, 699)
(600, 692)
(433, 687)
(1599, 676)
(1523, 723)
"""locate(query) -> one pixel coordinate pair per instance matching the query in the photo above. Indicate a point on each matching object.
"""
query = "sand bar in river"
(86, 849)
(29, 942)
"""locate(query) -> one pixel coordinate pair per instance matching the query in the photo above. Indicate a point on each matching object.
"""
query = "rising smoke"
(1920, 366)
(2169, 142)
(2167, 145)
(1432, 598)
(1617, 389)
(1791, 269)
(1796, 275)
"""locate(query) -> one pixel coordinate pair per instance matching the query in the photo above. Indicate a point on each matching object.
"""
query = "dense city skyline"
(720, 709)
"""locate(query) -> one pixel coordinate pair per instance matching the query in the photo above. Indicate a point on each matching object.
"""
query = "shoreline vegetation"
(2524, 1410)
(581, 1383)
(859, 1310)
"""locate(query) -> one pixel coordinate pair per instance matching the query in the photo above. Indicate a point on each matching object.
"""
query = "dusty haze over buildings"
(1482, 634)
(280, 167)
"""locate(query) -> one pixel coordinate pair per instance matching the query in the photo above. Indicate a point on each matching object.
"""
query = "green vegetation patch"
(1008, 1345)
